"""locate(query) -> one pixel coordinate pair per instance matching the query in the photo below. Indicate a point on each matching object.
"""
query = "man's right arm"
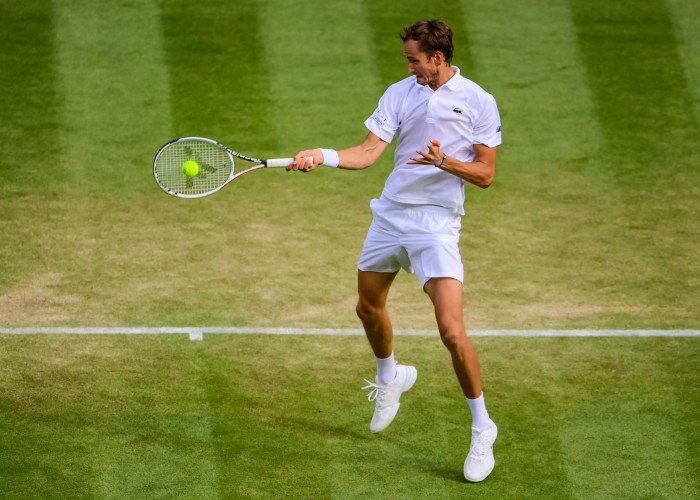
(355, 158)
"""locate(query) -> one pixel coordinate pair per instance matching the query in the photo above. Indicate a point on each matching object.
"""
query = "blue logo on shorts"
(498, 129)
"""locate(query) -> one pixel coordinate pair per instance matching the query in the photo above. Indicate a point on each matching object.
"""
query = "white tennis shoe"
(387, 396)
(480, 461)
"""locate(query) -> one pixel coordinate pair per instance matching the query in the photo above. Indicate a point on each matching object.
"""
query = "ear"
(439, 57)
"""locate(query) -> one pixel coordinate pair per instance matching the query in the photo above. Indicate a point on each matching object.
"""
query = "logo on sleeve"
(379, 118)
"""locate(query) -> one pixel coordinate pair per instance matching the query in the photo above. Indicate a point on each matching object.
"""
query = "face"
(424, 68)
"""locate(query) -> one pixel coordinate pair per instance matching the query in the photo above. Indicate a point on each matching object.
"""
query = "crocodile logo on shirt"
(457, 110)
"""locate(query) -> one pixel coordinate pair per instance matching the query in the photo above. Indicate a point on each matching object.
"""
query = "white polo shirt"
(459, 114)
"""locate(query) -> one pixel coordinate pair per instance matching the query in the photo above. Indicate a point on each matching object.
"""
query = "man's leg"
(446, 295)
(373, 289)
(392, 380)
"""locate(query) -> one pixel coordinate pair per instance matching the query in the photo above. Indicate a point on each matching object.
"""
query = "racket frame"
(269, 163)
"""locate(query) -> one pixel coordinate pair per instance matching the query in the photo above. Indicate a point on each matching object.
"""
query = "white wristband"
(330, 157)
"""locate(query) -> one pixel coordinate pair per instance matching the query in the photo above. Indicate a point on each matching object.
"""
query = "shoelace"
(482, 447)
(376, 391)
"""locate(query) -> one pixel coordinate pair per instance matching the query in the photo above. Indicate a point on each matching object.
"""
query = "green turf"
(591, 223)
(163, 417)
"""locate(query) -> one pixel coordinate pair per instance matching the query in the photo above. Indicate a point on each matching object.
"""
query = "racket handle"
(283, 162)
(279, 162)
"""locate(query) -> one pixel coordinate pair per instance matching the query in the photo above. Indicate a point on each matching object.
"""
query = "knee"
(453, 338)
(366, 311)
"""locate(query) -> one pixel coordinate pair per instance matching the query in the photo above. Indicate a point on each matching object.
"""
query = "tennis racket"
(194, 167)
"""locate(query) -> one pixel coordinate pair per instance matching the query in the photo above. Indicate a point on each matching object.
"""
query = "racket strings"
(215, 167)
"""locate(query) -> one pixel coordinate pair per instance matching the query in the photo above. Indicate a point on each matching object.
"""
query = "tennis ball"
(190, 168)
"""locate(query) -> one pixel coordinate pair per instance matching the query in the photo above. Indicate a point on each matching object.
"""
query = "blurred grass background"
(591, 223)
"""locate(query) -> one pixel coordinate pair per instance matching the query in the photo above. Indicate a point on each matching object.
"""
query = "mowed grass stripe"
(653, 436)
(161, 441)
(223, 87)
(114, 85)
(643, 103)
(638, 84)
(31, 176)
(310, 103)
(98, 421)
(685, 16)
(263, 91)
(641, 82)
(28, 100)
(304, 80)
(115, 105)
(550, 137)
(218, 75)
(549, 70)
(533, 69)
(323, 85)
(114, 111)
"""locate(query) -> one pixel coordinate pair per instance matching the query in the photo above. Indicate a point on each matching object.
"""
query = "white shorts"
(417, 238)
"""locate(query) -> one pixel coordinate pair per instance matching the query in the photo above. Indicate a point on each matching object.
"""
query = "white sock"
(386, 369)
(480, 417)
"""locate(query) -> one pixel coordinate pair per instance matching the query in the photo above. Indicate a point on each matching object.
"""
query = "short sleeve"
(487, 129)
(384, 121)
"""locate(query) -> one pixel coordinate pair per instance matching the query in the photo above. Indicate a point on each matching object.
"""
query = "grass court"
(591, 223)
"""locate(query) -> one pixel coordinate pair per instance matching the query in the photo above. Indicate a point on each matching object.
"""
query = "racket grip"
(283, 162)
(279, 162)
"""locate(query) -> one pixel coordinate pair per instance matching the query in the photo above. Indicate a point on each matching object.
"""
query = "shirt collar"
(451, 84)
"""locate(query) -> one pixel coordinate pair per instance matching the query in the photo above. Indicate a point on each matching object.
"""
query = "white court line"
(197, 332)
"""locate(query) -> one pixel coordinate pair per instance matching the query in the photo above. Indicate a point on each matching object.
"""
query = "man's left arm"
(479, 172)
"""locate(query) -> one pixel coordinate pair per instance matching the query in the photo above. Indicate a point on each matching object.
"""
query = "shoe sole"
(478, 480)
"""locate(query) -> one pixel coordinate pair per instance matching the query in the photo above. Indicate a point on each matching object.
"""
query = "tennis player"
(447, 130)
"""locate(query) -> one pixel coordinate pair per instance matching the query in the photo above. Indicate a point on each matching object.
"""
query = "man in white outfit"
(447, 130)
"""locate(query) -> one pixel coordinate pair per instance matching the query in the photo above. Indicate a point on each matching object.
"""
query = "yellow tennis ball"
(190, 168)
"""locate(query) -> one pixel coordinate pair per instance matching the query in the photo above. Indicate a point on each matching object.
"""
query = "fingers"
(420, 160)
(433, 156)
(434, 149)
(306, 161)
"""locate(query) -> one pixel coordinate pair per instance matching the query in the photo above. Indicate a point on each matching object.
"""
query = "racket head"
(216, 167)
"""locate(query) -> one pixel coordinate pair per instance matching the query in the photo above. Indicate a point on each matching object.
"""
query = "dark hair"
(432, 36)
